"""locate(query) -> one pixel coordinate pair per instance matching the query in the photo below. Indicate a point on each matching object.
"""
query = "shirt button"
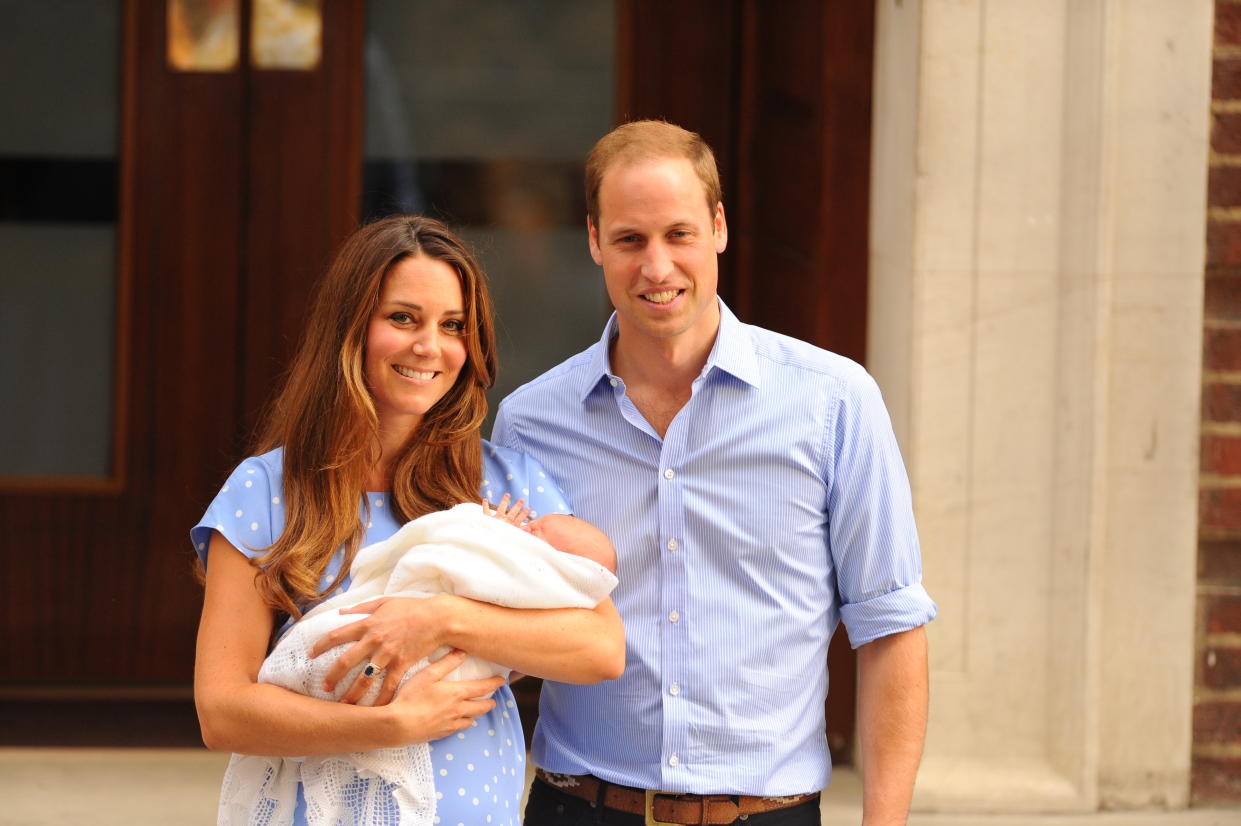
(672, 544)
(674, 689)
(674, 760)
(669, 473)
(673, 616)
(612, 382)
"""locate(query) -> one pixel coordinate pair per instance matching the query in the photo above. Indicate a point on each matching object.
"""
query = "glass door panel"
(58, 214)
(481, 114)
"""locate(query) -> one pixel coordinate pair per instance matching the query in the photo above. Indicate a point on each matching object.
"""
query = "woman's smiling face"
(415, 342)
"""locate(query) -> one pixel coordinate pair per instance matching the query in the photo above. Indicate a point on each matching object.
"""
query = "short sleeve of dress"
(521, 477)
(247, 511)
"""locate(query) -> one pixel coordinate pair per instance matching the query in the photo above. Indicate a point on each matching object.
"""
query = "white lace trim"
(383, 787)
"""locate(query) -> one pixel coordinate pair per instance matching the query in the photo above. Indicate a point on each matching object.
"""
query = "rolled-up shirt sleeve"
(873, 538)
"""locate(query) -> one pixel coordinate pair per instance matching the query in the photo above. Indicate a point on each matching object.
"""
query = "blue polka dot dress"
(479, 772)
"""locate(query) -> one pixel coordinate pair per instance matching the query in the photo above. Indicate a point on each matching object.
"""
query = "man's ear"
(721, 229)
(592, 237)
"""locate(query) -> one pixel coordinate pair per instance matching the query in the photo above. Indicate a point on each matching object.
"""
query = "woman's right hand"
(429, 707)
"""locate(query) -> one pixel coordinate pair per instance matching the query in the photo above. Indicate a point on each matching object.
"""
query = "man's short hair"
(644, 140)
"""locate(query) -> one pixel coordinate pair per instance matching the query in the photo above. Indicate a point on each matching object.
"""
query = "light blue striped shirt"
(775, 506)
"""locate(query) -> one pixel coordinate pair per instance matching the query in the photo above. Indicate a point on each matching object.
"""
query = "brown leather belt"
(665, 808)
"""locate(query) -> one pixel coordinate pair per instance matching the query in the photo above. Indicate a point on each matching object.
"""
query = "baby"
(479, 552)
(484, 553)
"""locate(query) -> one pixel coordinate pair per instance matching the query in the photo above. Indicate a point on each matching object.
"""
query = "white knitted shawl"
(459, 551)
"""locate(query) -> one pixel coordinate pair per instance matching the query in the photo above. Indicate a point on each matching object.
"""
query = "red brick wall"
(1217, 695)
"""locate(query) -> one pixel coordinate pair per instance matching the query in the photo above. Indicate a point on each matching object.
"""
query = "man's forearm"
(892, 713)
(574, 645)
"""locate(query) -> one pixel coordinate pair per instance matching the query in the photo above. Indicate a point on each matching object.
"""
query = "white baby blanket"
(459, 551)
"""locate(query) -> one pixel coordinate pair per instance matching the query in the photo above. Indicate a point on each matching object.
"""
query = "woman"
(378, 423)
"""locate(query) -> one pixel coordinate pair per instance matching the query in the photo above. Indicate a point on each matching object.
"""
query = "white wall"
(1038, 228)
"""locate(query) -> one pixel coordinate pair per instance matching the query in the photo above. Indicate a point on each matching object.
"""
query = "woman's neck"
(391, 441)
(379, 475)
(378, 480)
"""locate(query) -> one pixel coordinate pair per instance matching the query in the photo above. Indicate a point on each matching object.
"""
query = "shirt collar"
(733, 352)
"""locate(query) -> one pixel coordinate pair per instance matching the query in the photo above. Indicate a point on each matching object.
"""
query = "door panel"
(301, 190)
(111, 599)
(229, 206)
(58, 240)
(231, 189)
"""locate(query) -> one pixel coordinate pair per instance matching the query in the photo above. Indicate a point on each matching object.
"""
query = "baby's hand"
(517, 514)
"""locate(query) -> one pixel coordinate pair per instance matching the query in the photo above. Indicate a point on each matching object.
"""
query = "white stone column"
(1038, 228)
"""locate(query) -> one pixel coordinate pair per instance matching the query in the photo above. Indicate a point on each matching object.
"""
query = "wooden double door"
(232, 187)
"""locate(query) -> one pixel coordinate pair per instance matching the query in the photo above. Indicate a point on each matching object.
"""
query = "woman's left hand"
(398, 632)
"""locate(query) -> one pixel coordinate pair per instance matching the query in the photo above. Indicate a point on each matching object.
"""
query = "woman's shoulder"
(522, 477)
(248, 509)
(257, 475)
(271, 462)
(506, 462)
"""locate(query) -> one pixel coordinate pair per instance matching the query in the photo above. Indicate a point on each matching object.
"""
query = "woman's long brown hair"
(324, 416)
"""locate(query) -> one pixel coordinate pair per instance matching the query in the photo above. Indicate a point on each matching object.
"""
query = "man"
(756, 497)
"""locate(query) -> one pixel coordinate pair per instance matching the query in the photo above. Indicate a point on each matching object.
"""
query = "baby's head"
(574, 536)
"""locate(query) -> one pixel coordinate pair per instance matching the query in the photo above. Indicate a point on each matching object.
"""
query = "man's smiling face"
(658, 244)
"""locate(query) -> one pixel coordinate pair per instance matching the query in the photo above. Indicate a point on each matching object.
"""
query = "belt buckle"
(650, 810)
